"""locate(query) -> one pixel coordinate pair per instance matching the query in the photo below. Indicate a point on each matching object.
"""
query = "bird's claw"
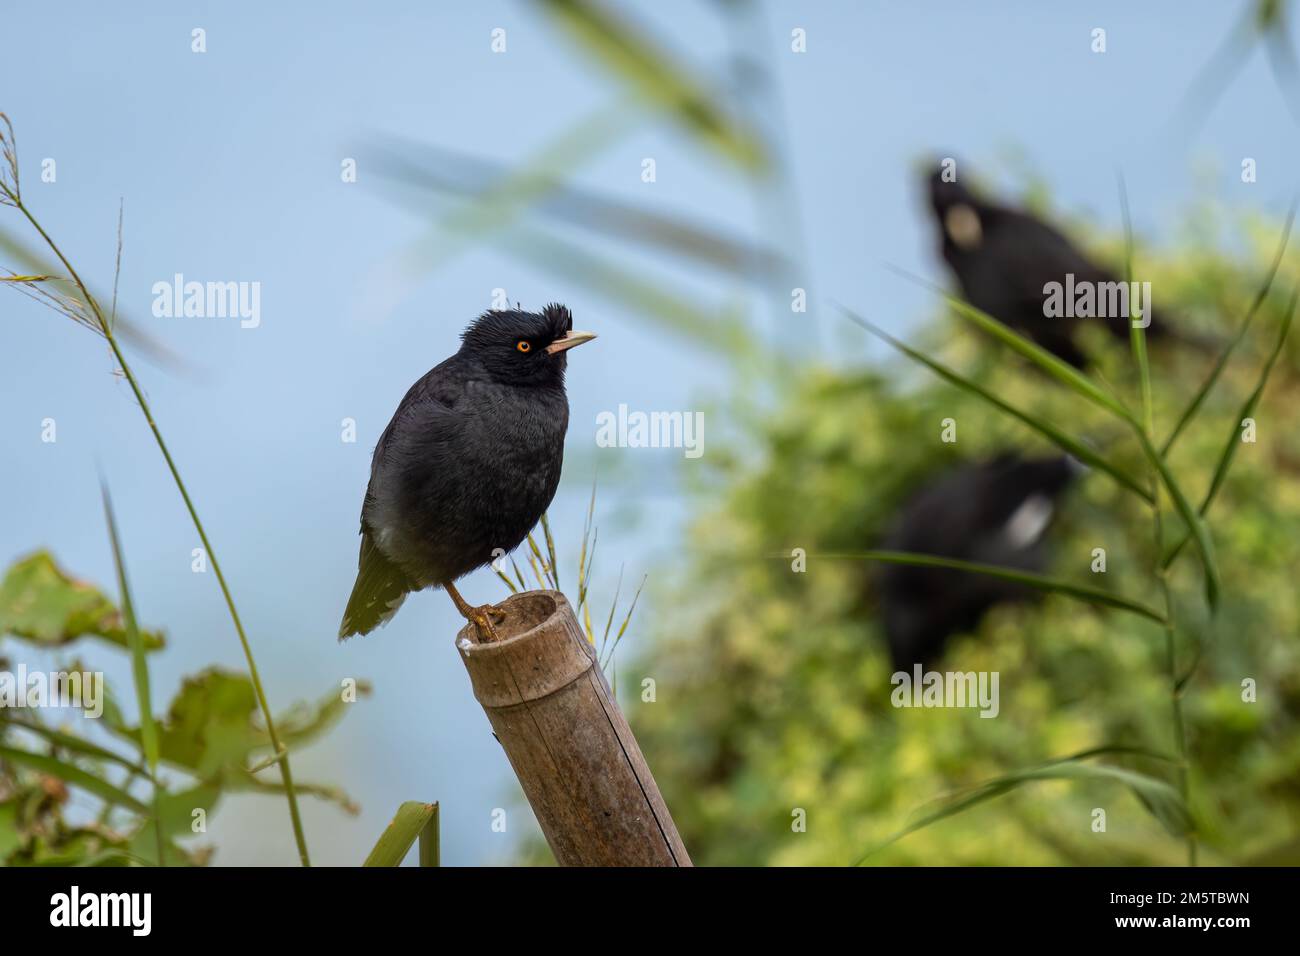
(482, 617)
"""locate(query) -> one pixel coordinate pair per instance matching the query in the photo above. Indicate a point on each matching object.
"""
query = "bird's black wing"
(1041, 254)
(1029, 253)
(381, 584)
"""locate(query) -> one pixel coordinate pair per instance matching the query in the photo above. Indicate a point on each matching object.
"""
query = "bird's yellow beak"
(569, 340)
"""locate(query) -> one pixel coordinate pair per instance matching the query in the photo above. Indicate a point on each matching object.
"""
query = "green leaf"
(139, 665)
(175, 814)
(1053, 434)
(657, 79)
(413, 821)
(42, 604)
(1159, 798)
(212, 731)
(209, 725)
(1080, 592)
(304, 723)
(1221, 363)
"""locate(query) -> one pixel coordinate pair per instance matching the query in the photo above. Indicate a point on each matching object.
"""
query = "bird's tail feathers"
(380, 589)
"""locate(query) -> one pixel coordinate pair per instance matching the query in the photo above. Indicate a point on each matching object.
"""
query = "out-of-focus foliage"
(773, 687)
(45, 606)
(413, 821)
(211, 744)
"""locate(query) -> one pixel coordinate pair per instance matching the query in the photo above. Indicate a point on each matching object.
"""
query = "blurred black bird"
(1002, 258)
(468, 465)
(994, 512)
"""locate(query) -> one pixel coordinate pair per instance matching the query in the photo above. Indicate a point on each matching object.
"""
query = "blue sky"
(228, 164)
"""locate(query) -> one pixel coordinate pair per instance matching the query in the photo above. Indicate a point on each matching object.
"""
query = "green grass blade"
(500, 207)
(431, 840)
(73, 743)
(107, 330)
(397, 839)
(420, 173)
(716, 329)
(1198, 532)
(1063, 441)
(1234, 436)
(139, 667)
(74, 776)
(587, 553)
(657, 79)
(139, 663)
(1082, 385)
(1063, 372)
(609, 621)
(1160, 799)
(627, 619)
(1082, 592)
(1221, 363)
(519, 575)
(1137, 333)
(545, 573)
(550, 551)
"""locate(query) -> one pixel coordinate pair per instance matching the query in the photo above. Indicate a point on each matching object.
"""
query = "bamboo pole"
(569, 744)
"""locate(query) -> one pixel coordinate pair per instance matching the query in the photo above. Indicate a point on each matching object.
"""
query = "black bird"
(1002, 258)
(468, 464)
(994, 512)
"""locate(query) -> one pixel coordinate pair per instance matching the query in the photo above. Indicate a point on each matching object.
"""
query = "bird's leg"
(480, 617)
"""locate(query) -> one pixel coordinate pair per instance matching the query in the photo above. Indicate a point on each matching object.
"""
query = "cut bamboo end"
(566, 738)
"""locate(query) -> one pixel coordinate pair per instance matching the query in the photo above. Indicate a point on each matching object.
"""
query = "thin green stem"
(1145, 430)
(107, 331)
(106, 812)
(1175, 684)
(157, 823)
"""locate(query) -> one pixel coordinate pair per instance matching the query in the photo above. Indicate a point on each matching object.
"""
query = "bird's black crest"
(560, 317)
(503, 324)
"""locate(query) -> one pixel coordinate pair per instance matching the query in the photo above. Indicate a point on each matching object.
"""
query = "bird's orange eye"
(523, 346)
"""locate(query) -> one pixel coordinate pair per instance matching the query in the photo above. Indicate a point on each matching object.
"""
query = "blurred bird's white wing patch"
(1027, 524)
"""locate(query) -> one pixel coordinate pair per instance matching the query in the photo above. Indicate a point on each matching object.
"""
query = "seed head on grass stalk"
(544, 568)
(84, 309)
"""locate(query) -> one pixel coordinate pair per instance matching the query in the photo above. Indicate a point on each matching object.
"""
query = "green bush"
(773, 686)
